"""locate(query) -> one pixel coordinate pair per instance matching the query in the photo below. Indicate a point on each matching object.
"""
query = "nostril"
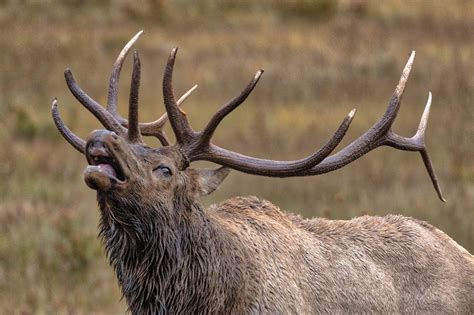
(94, 151)
(97, 149)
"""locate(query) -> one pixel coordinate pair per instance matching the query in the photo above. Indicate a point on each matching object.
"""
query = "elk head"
(122, 166)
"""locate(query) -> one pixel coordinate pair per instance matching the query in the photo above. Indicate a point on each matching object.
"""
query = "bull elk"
(244, 255)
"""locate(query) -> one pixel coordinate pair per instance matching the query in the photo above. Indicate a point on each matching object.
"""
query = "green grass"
(319, 64)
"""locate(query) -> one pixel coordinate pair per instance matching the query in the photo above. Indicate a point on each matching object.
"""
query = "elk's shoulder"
(249, 209)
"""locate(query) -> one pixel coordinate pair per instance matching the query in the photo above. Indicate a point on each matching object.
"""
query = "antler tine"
(228, 108)
(381, 134)
(177, 117)
(160, 122)
(272, 168)
(417, 143)
(111, 116)
(106, 118)
(115, 76)
(75, 141)
(424, 118)
(133, 129)
(154, 128)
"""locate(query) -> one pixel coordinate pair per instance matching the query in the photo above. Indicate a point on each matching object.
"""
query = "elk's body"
(245, 256)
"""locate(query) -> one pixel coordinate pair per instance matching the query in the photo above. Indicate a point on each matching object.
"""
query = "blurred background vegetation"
(321, 59)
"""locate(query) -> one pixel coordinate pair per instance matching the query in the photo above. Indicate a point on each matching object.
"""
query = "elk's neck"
(158, 254)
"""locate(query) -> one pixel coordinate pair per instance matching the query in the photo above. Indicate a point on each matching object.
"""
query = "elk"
(245, 255)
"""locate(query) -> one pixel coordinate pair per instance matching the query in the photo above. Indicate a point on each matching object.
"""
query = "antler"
(197, 145)
(154, 128)
(75, 141)
(109, 117)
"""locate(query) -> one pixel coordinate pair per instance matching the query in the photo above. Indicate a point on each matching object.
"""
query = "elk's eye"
(164, 170)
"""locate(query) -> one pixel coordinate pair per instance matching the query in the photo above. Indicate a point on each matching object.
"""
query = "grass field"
(321, 59)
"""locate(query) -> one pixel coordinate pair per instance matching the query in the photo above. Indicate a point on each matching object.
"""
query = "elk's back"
(383, 264)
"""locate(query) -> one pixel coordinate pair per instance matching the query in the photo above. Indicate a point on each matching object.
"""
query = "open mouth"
(109, 166)
(104, 170)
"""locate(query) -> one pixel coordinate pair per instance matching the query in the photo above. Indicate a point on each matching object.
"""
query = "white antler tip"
(411, 59)
(352, 113)
(137, 35)
(428, 102)
(186, 95)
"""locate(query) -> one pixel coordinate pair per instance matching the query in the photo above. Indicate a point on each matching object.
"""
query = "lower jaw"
(97, 180)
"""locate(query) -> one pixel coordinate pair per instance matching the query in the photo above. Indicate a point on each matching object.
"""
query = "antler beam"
(197, 145)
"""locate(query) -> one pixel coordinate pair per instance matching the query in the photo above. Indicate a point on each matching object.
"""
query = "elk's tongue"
(108, 169)
(100, 177)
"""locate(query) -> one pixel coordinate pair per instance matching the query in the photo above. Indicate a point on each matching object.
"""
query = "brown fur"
(246, 256)
(367, 264)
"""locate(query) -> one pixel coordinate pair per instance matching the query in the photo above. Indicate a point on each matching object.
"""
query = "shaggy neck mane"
(160, 254)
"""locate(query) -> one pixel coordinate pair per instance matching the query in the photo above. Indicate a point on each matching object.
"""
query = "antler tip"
(424, 118)
(440, 194)
(412, 57)
(54, 103)
(352, 113)
(258, 74)
(134, 38)
(68, 74)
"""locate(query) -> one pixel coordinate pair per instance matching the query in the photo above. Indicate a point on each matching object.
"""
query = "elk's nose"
(102, 135)
(96, 148)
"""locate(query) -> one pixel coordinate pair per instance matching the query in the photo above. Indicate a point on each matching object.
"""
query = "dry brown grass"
(317, 67)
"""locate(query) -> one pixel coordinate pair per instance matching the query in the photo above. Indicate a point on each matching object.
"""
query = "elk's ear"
(210, 178)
